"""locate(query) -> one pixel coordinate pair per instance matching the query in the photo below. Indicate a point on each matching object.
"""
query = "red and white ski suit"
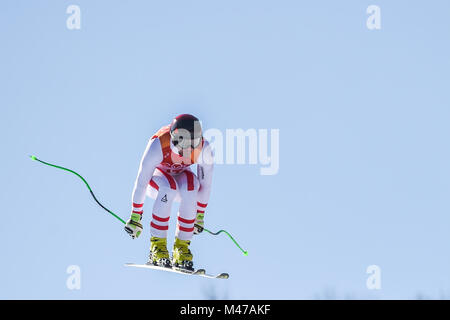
(166, 176)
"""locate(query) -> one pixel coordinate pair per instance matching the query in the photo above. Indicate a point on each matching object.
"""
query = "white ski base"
(198, 272)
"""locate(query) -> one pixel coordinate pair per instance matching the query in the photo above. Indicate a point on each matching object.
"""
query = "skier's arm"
(204, 173)
(150, 159)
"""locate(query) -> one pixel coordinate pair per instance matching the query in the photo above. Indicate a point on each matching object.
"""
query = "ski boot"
(182, 256)
(159, 256)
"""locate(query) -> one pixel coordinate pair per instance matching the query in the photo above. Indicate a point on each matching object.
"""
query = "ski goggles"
(184, 142)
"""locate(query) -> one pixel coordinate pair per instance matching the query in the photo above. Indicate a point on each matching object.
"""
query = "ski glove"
(199, 223)
(133, 226)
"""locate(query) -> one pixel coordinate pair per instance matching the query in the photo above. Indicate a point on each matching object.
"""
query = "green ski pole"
(224, 231)
(85, 182)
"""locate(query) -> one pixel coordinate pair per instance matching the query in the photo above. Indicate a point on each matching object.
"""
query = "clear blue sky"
(364, 144)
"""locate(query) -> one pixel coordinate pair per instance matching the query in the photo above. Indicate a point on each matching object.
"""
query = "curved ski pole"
(85, 182)
(229, 235)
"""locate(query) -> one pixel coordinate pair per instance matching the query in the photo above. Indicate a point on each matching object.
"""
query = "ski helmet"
(186, 131)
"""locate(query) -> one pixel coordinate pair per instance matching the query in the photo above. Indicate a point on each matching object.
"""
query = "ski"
(197, 272)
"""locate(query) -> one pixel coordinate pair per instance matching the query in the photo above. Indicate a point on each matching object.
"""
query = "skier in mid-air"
(165, 175)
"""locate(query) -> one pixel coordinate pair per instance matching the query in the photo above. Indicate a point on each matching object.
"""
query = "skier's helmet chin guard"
(186, 132)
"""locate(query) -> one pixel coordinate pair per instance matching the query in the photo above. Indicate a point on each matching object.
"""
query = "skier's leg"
(166, 187)
(188, 186)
